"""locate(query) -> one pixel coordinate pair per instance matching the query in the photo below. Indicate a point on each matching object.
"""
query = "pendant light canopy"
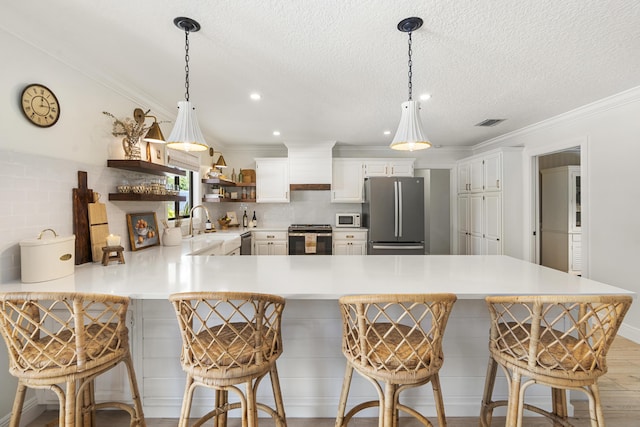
(410, 135)
(186, 134)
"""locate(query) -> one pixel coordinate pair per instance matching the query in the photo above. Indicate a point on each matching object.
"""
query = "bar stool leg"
(514, 413)
(69, 407)
(388, 407)
(344, 394)
(597, 417)
(437, 396)
(186, 402)
(559, 404)
(277, 395)
(221, 399)
(485, 411)
(18, 403)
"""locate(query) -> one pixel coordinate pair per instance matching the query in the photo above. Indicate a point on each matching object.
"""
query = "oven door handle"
(304, 234)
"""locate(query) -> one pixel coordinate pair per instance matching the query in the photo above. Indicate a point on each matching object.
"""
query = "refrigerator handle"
(395, 207)
(399, 215)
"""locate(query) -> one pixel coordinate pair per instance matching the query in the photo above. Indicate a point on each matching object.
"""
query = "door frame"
(531, 198)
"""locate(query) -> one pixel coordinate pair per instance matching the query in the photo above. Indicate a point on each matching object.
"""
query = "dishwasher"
(245, 243)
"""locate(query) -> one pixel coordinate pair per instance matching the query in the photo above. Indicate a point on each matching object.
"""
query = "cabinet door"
(463, 213)
(492, 247)
(400, 168)
(347, 181)
(358, 248)
(278, 247)
(493, 172)
(574, 200)
(261, 247)
(493, 216)
(475, 214)
(376, 168)
(463, 243)
(463, 177)
(476, 176)
(341, 248)
(272, 180)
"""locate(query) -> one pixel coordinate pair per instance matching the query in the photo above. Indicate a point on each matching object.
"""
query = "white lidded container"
(47, 258)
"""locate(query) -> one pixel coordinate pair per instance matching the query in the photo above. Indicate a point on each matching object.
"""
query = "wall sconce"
(154, 134)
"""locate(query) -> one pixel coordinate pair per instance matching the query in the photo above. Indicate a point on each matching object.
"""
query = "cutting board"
(82, 196)
(98, 228)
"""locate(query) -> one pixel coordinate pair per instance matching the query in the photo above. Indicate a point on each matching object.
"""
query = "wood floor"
(619, 389)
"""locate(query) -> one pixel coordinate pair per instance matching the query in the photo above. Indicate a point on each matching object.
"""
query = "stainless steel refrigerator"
(393, 212)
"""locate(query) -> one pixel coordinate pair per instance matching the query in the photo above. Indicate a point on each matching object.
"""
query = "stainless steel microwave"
(348, 220)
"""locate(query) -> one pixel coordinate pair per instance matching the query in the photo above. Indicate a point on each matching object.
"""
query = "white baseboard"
(30, 411)
(629, 332)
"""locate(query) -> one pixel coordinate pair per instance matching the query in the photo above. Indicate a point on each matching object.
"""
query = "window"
(185, 184)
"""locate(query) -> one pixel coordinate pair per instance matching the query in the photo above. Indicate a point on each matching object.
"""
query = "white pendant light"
(186, 134)
(410, 136)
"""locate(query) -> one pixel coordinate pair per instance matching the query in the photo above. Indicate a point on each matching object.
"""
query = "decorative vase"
(131, 149)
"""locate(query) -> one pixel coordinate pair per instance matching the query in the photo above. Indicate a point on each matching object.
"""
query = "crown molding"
(608, 103)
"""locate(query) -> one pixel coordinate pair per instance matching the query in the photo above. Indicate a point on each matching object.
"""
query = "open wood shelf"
(145, 167)
(225, 183)
(227, 199)
(138, 197)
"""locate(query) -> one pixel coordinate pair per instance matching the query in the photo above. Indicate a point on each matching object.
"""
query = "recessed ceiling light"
(387, 132)
(425, 96)
(276, 133)
(255, 96)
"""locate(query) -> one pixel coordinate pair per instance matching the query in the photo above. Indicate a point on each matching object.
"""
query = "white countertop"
(156, 272)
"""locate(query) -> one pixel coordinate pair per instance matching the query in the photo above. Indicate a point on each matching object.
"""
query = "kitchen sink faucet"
(191, 217)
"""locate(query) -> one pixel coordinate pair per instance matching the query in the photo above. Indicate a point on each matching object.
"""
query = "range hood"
(310, 165)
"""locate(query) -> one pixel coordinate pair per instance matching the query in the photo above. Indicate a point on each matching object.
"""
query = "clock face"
(40, 105)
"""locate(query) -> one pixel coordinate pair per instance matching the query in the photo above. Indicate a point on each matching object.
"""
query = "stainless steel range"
(310, 239)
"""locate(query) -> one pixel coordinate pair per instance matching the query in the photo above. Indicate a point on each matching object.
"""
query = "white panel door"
(272, 180)
(347, 181)
(476, 176)
(493, 216)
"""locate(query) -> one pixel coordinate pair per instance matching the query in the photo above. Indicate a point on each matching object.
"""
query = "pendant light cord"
(410, 73)
(186, 66)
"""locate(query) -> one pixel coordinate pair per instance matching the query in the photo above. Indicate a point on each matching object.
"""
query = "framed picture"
(233, 217)
(143, 230)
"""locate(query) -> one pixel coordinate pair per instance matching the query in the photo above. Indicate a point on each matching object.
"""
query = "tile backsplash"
(38, 195)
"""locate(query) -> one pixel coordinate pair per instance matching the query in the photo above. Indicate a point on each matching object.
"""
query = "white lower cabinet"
(270, 243)
(349, 242)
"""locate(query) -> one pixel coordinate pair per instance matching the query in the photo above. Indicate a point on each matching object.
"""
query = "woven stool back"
(555, 335)
(57, 334)
(397, 338)
(228, 334)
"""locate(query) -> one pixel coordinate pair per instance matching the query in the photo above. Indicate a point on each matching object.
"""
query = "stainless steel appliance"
(245, 243)
(348, 220)
(310, 239)
(393, 212)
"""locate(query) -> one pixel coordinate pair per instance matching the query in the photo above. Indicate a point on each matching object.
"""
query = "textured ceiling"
(337, 69)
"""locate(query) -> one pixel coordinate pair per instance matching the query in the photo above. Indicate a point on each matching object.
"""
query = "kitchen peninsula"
(312, 365)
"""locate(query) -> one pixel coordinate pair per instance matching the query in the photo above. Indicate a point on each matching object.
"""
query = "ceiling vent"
(490, 122)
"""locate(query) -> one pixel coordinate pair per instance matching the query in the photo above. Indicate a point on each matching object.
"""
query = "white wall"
(610, 130)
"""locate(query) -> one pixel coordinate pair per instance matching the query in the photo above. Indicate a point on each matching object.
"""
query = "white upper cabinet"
(272, 180)
(347, 181)
(480, 174)
(388, 167)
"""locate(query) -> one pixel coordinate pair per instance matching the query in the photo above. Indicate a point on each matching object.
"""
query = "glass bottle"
(233, 175)
(245, 220)
(254, 220)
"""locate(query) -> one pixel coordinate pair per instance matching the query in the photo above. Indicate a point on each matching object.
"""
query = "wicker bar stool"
(560, 341)
(229, 339)
(71, 338)
(394, 341)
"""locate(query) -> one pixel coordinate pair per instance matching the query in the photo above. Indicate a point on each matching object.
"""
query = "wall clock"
(39, 105)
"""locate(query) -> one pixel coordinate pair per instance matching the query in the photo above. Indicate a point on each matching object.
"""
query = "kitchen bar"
(312, 365)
